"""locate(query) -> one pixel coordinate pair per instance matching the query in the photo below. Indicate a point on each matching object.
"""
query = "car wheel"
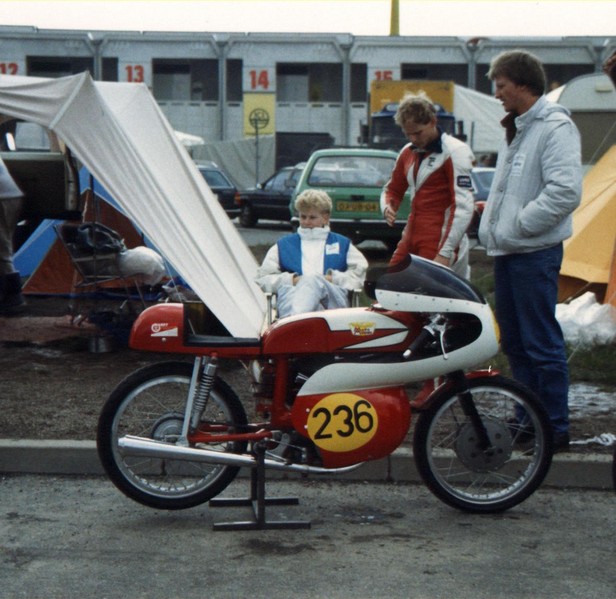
(247, 216)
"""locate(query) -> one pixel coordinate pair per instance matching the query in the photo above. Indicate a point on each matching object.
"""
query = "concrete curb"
(569, 470)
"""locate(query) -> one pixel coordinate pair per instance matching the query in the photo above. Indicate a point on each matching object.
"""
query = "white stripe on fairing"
(393, 339)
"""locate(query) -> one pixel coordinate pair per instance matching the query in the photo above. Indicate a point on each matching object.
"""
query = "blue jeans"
(526, 292)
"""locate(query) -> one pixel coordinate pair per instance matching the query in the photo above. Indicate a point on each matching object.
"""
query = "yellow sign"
(342, 422)
(388, 92)
(259, 114)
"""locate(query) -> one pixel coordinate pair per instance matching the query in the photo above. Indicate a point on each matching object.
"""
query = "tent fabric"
(589, 252)
(55, 275)
(237, 158)
(593, 92)
(481, 115)
(47, 262)
(33, 251)
(120, 134)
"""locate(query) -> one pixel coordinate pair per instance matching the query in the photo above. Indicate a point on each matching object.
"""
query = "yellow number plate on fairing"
(342, 422)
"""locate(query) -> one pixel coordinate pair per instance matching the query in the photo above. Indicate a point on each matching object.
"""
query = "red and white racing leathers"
(440, 186)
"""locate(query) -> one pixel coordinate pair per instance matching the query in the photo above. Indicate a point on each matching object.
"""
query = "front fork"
(201, 383)
(469, 408)
(436, 329)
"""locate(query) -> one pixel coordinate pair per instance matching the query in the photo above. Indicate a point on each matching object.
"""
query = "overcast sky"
(359, 17)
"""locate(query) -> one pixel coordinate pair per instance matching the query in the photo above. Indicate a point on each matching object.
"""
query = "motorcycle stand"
(257, 501)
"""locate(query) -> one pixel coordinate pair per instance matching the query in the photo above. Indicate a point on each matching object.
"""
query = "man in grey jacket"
(536, 187)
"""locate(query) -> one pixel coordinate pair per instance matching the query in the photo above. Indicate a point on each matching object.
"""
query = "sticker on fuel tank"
(163, 329)
(362, 329)
(342, 422)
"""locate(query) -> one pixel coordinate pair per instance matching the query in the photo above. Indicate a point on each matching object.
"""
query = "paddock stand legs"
(257, 501)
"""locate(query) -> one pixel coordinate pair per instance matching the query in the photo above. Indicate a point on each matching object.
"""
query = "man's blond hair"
(415, 107)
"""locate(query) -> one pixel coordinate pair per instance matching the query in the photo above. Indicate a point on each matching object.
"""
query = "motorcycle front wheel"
(461, 471)
(150, 403)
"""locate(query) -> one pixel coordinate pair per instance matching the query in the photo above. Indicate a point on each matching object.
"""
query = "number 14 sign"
(259, 80)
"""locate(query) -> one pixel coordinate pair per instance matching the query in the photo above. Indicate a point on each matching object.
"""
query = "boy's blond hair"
(313, 198)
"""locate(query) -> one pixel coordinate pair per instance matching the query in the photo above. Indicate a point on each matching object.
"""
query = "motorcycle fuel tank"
(333, 331)
(354, 426)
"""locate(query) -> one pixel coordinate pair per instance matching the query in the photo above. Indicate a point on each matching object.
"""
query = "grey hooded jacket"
(537, 184)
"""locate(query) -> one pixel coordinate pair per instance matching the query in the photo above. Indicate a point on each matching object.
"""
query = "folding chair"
(94, 250)
(272, 315)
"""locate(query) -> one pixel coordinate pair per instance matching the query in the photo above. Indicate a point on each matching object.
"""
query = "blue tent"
(35, 248)
(56, 277)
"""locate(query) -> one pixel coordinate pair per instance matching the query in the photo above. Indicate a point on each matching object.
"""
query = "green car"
(354, 179)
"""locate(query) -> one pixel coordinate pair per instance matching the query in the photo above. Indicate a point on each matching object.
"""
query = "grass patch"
(589, 364)
(593, 364)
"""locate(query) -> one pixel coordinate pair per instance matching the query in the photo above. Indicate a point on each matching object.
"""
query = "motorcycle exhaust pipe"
(141, 447)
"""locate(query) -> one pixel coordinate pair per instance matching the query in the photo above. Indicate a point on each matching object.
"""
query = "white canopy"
(119, 133)
(481, 115)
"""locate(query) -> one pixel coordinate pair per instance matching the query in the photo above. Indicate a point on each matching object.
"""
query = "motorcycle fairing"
(340, 376)
(420, 285)
(353, 426)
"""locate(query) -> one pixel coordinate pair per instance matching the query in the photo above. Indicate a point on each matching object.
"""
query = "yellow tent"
(589, 259)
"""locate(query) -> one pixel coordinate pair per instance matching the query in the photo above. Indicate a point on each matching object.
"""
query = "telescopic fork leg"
(470, 409)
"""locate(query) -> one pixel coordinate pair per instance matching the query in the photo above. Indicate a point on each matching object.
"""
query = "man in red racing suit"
(435, 167)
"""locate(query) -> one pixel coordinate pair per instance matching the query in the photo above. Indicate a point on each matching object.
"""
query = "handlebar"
(435, 328)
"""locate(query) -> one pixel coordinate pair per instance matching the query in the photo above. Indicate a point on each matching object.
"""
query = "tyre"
(247, 216)
(150, 403)
(614, 469)
(453, 464)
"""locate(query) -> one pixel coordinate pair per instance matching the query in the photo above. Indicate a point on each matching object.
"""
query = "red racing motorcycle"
(330, 393)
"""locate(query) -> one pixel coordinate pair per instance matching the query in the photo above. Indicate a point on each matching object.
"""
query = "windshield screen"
(215, 179)
(351, 171)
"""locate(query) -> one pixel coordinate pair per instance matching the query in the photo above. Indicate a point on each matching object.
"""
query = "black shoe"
(561, 442)
(13, 305)
(12, 302)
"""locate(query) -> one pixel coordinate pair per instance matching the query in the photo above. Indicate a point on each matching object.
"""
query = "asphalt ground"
(77, 537)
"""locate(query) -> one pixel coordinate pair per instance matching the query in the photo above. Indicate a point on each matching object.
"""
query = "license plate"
(372, 207)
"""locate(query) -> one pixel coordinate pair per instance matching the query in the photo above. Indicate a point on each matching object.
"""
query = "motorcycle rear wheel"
(150, 403)
(458, 471)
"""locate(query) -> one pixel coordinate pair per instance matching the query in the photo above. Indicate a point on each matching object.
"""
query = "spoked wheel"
(150, 403)
(460, 470)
